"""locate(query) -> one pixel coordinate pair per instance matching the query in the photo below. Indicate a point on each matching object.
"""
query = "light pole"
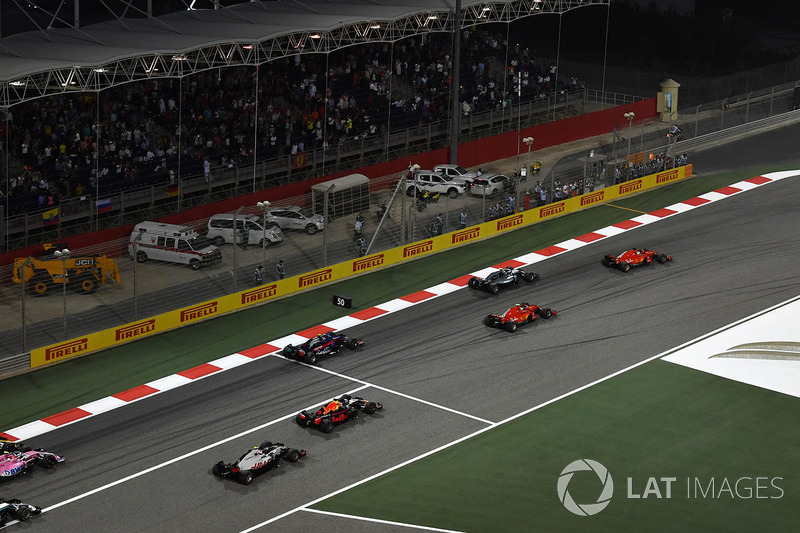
(64, 255)
(629, 116)
(264, 206)
(136, 242)
(529, 142)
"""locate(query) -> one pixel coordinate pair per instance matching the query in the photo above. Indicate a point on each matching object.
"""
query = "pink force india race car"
(633, 258)
(17, 460)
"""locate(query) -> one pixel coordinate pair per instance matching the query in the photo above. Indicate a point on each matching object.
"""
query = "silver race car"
(256, 461)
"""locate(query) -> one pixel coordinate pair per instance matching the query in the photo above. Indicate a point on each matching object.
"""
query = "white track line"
(186, 455)
(514, 417)
(390, 391)
(378, 521)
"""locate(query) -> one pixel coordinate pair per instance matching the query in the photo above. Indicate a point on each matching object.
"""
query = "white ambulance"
(172, 243)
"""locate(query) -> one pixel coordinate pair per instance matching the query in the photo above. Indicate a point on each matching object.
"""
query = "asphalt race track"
(733, 258)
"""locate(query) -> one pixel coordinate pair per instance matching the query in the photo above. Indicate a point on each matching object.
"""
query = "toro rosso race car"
(15, 509)
(633, 258)
(337, 411)
(257, 461)
(518, 315)
(501, 278)
(321, 345)
(16, 463)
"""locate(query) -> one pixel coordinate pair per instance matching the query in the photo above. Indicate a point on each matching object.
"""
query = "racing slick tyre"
(661, 258)
(24, 514)
(544, 312)
(288, 352)
(291, 455)
(301, 421)
(493, 288)
(625, 267)
(217, 469)
(490, 321)
(245, 478)
(510, 326)
(370, 408)
(345, 398)
(326, 426)
(265, 444)
(473, 283)
(351, 343)
(528, 276)
(606, 261)
(50, 462)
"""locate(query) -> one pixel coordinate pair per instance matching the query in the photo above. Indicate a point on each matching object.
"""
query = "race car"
(15, 509)
(321, 345)
(337, 411)
(16, 463)
(633, 258)
(518, 315)
(8, 446)
(256, 461)
(501, 278)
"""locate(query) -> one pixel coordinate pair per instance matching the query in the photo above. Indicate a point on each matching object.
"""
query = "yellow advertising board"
(264, 293)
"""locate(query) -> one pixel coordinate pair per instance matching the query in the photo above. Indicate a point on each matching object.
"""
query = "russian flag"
(103, 205)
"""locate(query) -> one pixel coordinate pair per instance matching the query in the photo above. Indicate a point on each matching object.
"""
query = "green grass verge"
(657, 420)
(52, 390)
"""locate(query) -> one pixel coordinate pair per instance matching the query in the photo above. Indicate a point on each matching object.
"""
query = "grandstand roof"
(91, 58)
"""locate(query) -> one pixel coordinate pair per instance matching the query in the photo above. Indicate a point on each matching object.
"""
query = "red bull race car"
(256, 461)
(322, 345)
(633, 258)
(518, 315)
(337, 412)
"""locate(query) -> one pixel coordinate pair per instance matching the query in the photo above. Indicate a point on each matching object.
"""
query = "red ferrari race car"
(633, 258)
(337, 411)
(518, 315)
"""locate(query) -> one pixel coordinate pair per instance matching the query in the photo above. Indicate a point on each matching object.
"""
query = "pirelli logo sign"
(66, 350)
(629, 187)
(510, 222)
(418, 248)
(198, 311)
(315, 278)
(465, 235)
(592, 198)
(131, 331)
(552, 209)
(368, 262)
(668, 176)
(260, 294)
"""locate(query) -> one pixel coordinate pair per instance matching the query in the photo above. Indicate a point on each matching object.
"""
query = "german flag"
(173, 190)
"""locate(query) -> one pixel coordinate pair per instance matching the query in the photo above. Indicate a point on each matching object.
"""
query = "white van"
(172, 243)
(221, 231)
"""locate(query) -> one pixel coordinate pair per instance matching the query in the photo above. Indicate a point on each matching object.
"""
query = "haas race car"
(633, 258)
(518, 315)
(15, 509)
(17, 460)
(321, 345)
(257, 461)
(501, 278)
(336, 412)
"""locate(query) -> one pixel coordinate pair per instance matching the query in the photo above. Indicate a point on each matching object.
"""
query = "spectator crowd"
(153, 132)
